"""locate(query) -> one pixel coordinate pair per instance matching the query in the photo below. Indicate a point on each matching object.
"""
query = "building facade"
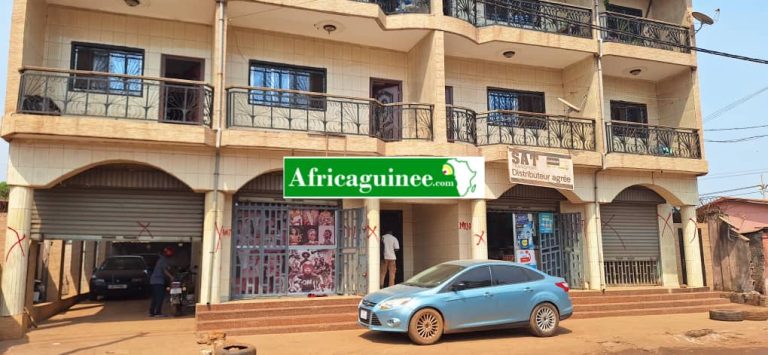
(168, 122)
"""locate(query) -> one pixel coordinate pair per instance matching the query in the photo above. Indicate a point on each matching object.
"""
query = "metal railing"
(535, 129)
(533, 15)
(644, 32)
(59, 92)
(391, 7)
(461, 124)
(259, 107)
(636, 138)
(632, 272)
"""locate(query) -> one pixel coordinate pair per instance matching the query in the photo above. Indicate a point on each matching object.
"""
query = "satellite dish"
(703, 18)
(571, 106)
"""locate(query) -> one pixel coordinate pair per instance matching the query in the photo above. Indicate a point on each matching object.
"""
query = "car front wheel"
(426, 327)
(544, 320)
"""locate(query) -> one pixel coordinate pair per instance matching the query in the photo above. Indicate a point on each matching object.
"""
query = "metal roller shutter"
(153, 215)
(527, 198)
(630, 230)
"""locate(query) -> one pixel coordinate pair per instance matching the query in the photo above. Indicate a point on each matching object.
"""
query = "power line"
(733, 105)
(731, 190)
(734, 128)
(733, 175)
(737, 140)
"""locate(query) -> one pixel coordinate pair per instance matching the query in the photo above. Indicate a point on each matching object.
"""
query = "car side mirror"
(459, 286)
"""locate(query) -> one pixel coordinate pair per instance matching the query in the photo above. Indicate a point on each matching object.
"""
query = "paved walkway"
(122, 328)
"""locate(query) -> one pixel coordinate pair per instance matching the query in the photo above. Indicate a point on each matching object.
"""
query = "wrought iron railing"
(391, 7)
(635, 138)
(534, 15)
(644, 32)
(460, 124)
(258, 107)
(82, 93)
(633, 272)
(535, 129)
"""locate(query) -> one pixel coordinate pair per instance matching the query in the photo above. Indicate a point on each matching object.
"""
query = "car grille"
(368, 303)
(375, 320)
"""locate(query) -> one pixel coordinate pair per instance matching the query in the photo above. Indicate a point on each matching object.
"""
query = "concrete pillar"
(211, 266)
(479, 238)
(593, 259)
(691, 246)
(667, 242)
(373, 236)
(16, 248)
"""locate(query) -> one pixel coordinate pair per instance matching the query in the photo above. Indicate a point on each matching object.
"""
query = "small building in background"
(738, 234)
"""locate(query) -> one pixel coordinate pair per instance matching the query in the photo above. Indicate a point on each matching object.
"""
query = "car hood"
(109, 274)
(394, 292)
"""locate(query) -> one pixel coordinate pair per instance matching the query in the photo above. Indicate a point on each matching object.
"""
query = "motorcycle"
(179, 291)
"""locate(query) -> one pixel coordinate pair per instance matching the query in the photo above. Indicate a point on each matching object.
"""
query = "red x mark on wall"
(480, 237)
(220, 232)
(666, 224)
(371, 232)
(18, 242)
(144, 228)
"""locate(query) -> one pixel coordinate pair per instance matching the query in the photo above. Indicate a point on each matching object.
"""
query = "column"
(594, 246)
(372, 231)
(479, 237)
(16, 249)
(691, 246)
(667, 240)
(210, 270)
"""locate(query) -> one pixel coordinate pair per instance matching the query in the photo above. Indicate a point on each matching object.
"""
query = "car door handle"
(488, 294)
(528, 289)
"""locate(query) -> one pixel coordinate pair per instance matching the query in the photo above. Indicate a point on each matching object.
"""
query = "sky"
(740, 29)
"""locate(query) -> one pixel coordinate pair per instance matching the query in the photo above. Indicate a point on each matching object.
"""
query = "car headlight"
(137, 279)
(394, 303)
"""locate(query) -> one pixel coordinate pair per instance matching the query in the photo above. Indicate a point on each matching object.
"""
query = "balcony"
(391, 7)
(644, 32)
(461, 124)
(635, 138)
(291, 110)
(55, 92)
(532, 15)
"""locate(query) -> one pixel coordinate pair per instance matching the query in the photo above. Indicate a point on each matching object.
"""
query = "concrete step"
(644, 298)
(279, 303)
(275, 312)
(649, 305)
(647, 311)
(636, 292)
(326, 327)
(277, 321)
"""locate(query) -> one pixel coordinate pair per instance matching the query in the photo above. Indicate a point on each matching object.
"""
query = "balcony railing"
(258, 107)
(58, 92)
(461, 124)
(533, 15)
(535, 129)
(634, 138)
(391, 7)
(644, 32)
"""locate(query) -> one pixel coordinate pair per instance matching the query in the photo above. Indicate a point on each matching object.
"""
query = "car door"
(512, 292)
(471, 306)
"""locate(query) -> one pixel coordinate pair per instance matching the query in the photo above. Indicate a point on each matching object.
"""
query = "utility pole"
(763, 187)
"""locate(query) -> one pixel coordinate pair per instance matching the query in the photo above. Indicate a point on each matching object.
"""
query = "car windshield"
(123, 264)
(434, 276)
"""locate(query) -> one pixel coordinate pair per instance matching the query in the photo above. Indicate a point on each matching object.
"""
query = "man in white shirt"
(388, 264)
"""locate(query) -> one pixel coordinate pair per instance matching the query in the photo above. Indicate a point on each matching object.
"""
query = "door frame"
(399, 234)
(376, 131)
(162, 104)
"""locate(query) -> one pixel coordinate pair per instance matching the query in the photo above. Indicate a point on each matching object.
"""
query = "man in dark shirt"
(157, 282)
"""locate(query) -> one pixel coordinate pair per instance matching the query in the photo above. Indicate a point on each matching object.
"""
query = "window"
(624, 10)
(512, 100)
(475, 278)
(514, 12)
(286, 77)
(107, 59)
(622, 111)
(627, 30)
(505, 275)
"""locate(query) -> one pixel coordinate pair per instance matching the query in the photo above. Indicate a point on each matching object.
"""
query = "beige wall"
(637, 91)
(435, 237)
(677, 105)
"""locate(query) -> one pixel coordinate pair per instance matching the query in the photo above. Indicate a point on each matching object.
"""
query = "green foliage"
(4, 190)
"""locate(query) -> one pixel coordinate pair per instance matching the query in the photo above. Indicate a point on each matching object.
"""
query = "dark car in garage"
(124, 275)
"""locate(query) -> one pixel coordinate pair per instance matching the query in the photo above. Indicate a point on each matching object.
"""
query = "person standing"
(157, 282)
(391, 244)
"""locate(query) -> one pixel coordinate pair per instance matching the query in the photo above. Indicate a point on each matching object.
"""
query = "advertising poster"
(524, 231)
(311, 271)
(540, 169)
(546, 222)
(526, 257)
(311, 227)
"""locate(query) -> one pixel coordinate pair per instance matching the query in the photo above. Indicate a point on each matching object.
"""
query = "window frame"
(625, 127)
(449, 286)
(73, 82)
(520, 269)
(514, 120)
(312, 103)
(505, 12)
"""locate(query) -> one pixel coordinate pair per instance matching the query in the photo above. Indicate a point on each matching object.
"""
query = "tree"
(4, 190)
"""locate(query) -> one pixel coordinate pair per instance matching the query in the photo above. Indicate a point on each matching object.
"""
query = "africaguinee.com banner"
(390, 177)
(540, 169)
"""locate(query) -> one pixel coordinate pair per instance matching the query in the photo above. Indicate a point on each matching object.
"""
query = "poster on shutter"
(540, 169)
(526, 257)
(524, 230)
(546, 222)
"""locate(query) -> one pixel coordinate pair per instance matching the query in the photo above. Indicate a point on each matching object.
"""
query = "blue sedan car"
(467, 295)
